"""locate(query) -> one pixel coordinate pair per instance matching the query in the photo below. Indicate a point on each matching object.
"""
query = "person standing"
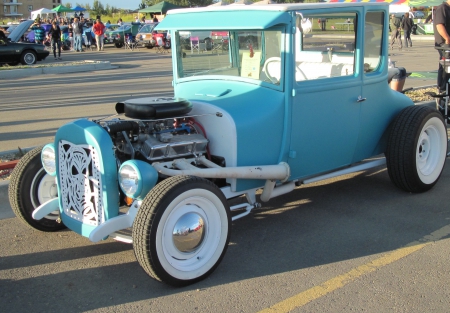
(407, 25)
(39, 32)
(395, 25)
(99, 31)
(77, 29)
(441, 26)
(55, 33)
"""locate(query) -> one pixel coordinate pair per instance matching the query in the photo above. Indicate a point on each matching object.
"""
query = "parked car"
(13, 52)
(285, 110)
(110, 28)
(117, 36)
(145, 35)
(419, 14)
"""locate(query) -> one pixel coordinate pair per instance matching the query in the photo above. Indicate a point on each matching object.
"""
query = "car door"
(326, 96)
(377, 109)
(7, 52)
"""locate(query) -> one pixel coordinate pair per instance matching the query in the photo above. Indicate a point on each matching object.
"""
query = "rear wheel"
(28, 57)
(181, 231)
(417, 148)
(118, 44)
(29, 187)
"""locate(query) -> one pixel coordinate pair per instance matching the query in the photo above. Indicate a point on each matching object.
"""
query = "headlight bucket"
(48, 159)
(137, 178)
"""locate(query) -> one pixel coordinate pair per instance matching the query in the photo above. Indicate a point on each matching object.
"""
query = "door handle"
(361, 99)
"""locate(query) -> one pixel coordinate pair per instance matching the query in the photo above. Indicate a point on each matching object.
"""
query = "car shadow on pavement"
(316, 225)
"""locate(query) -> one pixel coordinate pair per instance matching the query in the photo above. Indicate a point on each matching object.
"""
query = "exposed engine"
(149, 130)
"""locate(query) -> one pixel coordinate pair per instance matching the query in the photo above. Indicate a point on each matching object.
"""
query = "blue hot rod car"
(271, 106)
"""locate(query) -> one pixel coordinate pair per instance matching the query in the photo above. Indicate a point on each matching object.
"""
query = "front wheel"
(181, 231)
(118, 44)
(29, 187)
(417, 149)
(28, 58)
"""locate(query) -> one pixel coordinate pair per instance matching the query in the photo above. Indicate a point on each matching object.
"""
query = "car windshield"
(123, 27)
(147, 28)
(247, 54)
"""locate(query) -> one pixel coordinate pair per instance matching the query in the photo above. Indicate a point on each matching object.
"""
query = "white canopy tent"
(40, 12)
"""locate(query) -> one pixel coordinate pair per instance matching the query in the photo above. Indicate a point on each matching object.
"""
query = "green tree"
(97, 8)
(68, 4)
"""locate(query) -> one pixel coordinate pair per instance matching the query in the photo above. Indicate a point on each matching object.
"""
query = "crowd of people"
(63, 29)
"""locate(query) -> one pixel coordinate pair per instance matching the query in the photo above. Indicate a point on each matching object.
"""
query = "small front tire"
(417, 149)
(181, 231)
(29, 187)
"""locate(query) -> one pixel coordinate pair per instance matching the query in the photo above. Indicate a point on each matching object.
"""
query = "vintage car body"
(277, 108)
(14, 52)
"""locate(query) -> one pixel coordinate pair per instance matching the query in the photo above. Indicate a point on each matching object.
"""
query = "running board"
(348, 170)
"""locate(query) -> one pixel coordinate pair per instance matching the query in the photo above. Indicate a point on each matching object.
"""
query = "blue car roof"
(244, 16)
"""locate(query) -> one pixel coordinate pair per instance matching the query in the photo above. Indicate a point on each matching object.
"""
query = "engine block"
(173, 146)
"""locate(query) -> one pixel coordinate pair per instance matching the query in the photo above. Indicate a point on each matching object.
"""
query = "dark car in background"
(117, 36)
(14, 52)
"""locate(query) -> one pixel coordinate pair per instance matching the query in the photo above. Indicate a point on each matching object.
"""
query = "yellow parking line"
(340, 281)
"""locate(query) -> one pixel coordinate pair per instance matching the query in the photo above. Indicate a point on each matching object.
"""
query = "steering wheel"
(269, 75)
(273, 78)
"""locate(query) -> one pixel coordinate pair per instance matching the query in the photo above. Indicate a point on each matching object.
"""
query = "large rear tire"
(29, 187)
(181, 231)
(417, 149)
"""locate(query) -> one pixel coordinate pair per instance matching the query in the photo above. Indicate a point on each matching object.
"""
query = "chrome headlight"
(136, 178)
(48, 159)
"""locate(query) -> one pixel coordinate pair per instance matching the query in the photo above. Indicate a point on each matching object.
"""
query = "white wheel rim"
(196, 263)
(29, 58)
(45, 189)
(430, 151)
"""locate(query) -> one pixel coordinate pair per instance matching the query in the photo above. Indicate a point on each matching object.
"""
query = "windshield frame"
(178, 60)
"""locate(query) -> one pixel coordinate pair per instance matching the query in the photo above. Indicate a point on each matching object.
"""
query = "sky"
(128, 4)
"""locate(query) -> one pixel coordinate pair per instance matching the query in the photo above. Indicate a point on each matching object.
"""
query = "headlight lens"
(48, 159)
(129, 179)
(136, 178)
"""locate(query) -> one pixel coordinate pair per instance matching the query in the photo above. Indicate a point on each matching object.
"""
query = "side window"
(373, 38)
(325, 45)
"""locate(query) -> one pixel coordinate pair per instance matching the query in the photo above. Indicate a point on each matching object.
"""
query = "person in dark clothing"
(55, 33)
(441, 27)
(407, 25)
(2, 37)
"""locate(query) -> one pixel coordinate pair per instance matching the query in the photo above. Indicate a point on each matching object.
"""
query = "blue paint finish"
(258, 113)
(86, 132)
(76, 226)
(325, 125)
(224, 19)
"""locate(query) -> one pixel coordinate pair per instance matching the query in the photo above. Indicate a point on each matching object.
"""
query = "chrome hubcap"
(188, 233)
